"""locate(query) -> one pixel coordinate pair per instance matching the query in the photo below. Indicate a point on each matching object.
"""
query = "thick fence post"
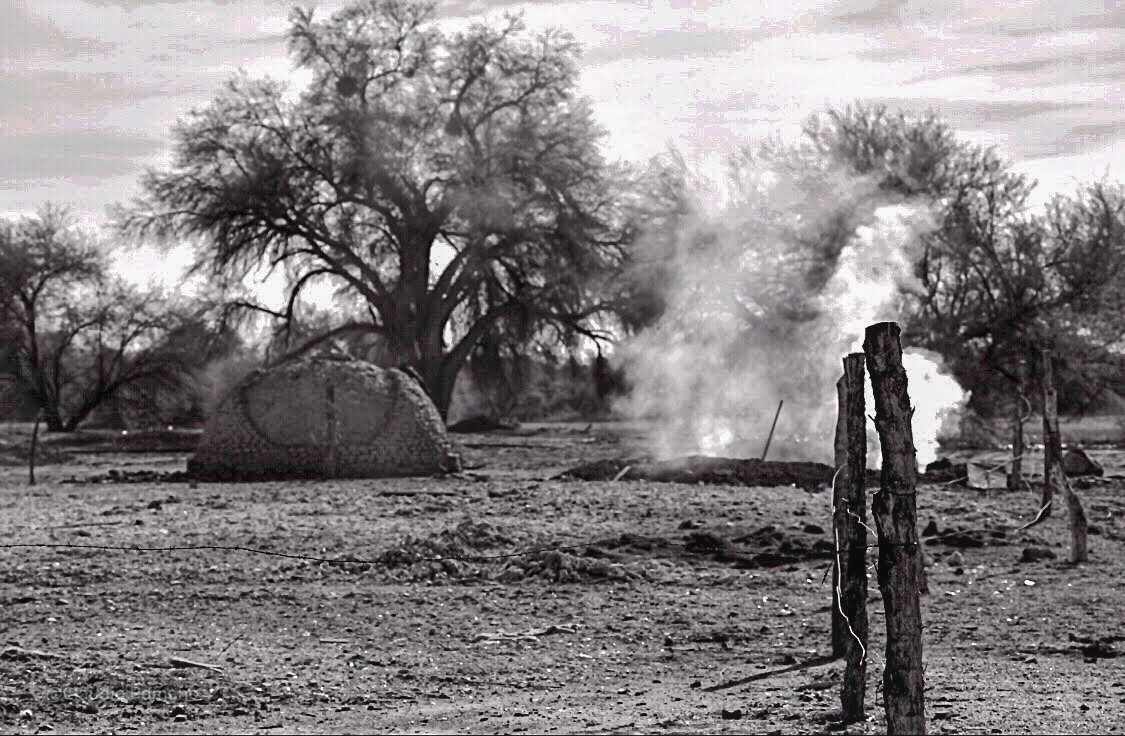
(849, 510)
(1054, 478)
(895, 511)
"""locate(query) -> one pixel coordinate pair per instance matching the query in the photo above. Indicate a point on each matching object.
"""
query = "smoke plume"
(773, 280)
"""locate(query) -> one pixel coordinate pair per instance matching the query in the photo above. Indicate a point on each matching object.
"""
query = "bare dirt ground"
(667, 593)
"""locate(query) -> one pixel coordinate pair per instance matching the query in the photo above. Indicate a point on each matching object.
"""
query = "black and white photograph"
(562, 366)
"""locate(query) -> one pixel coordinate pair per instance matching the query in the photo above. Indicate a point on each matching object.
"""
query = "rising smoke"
(773, 280)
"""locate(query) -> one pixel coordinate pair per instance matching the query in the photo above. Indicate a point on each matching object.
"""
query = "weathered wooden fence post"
(895, 511)
(1054, 479)
(849, 510)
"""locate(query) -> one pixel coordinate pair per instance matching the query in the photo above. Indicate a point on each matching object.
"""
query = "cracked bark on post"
(895, 511)
(849, 571)
(1054, 478)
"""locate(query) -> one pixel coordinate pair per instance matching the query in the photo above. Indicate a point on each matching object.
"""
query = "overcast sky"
(89, 88)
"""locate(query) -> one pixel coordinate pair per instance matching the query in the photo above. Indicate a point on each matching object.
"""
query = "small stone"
(955, 560)
(1076, 462)
(732, 715)
(931, 529)
(1036, 554)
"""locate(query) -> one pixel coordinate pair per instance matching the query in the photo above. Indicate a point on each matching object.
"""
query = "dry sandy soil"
(670, 590)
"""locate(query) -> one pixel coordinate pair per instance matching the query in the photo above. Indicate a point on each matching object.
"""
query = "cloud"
(25, 34)
(82, 156)
(1039, 78)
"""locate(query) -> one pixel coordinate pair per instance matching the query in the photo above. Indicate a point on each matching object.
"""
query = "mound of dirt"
(479, 550)
(134, 476)
(734, 471)
(713, 470)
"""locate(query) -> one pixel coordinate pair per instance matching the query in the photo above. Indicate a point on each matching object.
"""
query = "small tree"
(995, 277)
(79, 336)
(453, 183)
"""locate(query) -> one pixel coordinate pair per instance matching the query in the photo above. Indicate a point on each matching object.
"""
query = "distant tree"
(79, 336)
(452, 182)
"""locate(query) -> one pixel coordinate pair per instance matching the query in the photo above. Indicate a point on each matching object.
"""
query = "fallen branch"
(181, 663)
(814, 662)
(20, 654)
(529, 635)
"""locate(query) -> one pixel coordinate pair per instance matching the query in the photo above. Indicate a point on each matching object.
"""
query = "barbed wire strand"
(839, 595)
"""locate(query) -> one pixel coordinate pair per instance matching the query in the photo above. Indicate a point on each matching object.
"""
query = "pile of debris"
(134, 476)
(987, 535)
(480, 550)
(751, 472)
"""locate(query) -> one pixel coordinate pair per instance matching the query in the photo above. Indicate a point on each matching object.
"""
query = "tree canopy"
(998, 278)
(451, 183)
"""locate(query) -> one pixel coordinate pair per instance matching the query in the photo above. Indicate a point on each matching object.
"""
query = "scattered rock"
(955, 560)
(1036, 554)
(1076, 462)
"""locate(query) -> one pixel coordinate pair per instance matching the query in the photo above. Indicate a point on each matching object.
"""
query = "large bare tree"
(452, 183)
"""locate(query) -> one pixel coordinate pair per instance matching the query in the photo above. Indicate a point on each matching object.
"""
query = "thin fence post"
(31, 450)
(896, 515)
(849, 512)
(1015, 472)
(1054, 477)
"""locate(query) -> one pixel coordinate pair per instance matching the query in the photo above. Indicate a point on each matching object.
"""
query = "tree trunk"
(438, 378)
(53, 419)
(849, 573)
(1054, 479)
(896, 519)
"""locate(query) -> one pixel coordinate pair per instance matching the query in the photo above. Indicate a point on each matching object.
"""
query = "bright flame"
(714, 368)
